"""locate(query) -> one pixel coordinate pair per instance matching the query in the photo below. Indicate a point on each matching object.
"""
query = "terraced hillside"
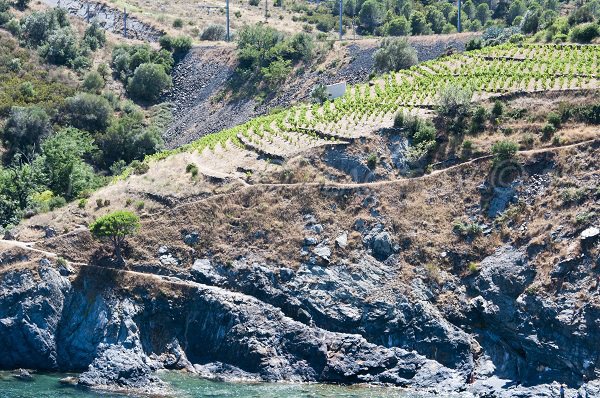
(490, 72)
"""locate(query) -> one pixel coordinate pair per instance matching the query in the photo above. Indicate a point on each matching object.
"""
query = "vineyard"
(365, 108)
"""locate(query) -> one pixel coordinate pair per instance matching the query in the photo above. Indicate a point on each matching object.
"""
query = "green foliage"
(94, 36)
(38, 26)
(371, 15)
(319, 94)
(148, 82)
(454, 106)
(214, 33)
(372, 161)
(398, 26)
(25, 129)
(192, 168)
(62, 160)
(116, 227)
(394, 54)
(88, 112)
(61, 47)
(585, 33)
(127, 58)
(179, 45)
(93, 82)
(474, 44)
(276, 73)
(504, 151)
(127, 139)
(178, 23)
(467, 230)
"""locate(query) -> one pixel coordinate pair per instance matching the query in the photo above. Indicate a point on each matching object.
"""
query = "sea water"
(186, 386)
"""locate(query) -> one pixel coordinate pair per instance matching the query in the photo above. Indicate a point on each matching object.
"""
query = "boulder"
(382, 246)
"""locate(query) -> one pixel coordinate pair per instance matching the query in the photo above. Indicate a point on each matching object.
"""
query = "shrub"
(254, 2)
(82, 203)
(467, 229)
(276, 73)
(394, 54)
(148, 82)
(93, 82)
(179, 45)
(116, 227)
(94, 36)
(192, 169)
(548, 131)
(497, 111)
(554, 119)
(371, 15)
(61, 47)
(178, 23)
(139, 205)
(474, 44)
(63, 154)
(126, 59)
(25, 129)
(372, 161)
(478, 121)
(214, 33)
(14, 27)
(139, 168)
(397, 27)
(128, 139)
(454, 106)
(319, 93)
(99, 203)
(88, 112)
(504, 151)
(585, 33)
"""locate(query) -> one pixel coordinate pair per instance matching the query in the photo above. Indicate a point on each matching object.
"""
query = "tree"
(394, 54)
(276, 73)
(93, 82)
(254, 45)
(371, 15)
(398, 26)
(61, 47)
(22, 4)
(127, 139)
(516, 9)
(88, 112)
(436, 19)
(504, 151)
(62, 159)
(419, 24)
(213, 33)
(94, 36)
(115, 227)
(585, 33)
(454, 106)
(25, 128)
(483, 13)
(148, 82)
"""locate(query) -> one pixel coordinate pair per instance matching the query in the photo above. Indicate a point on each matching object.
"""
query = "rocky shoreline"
(249, 323)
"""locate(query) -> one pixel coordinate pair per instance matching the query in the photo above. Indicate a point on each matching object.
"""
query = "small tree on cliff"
(116, 227)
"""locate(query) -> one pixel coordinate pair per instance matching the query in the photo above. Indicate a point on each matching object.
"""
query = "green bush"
(94, 36)
(148, 82)
(127, 58)
(88, 112)
(63, 161)
(276, 73)
(585, 33)
(178, 45)
(394, 54)
(454, 107)
(178, 23)
(93, 82)
(474, 44)
(398, 26)
(25, 129)
(214, 33)
(61, 47)
(504, 151)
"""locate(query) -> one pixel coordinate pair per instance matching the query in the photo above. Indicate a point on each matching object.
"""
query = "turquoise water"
(48, 386)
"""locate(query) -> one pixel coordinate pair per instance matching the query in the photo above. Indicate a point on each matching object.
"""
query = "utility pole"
(341, 12)
(227, 8)
(125, 22)
(458, 27)
(87, 12)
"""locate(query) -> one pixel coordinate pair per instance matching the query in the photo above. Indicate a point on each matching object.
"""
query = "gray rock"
(118, 368)
(382, 246)
(589, 237)
(191, 239)
(49, 232)
(342, 240)
(323, 251)
(316, 228)
(310, 241)
(503, 196)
